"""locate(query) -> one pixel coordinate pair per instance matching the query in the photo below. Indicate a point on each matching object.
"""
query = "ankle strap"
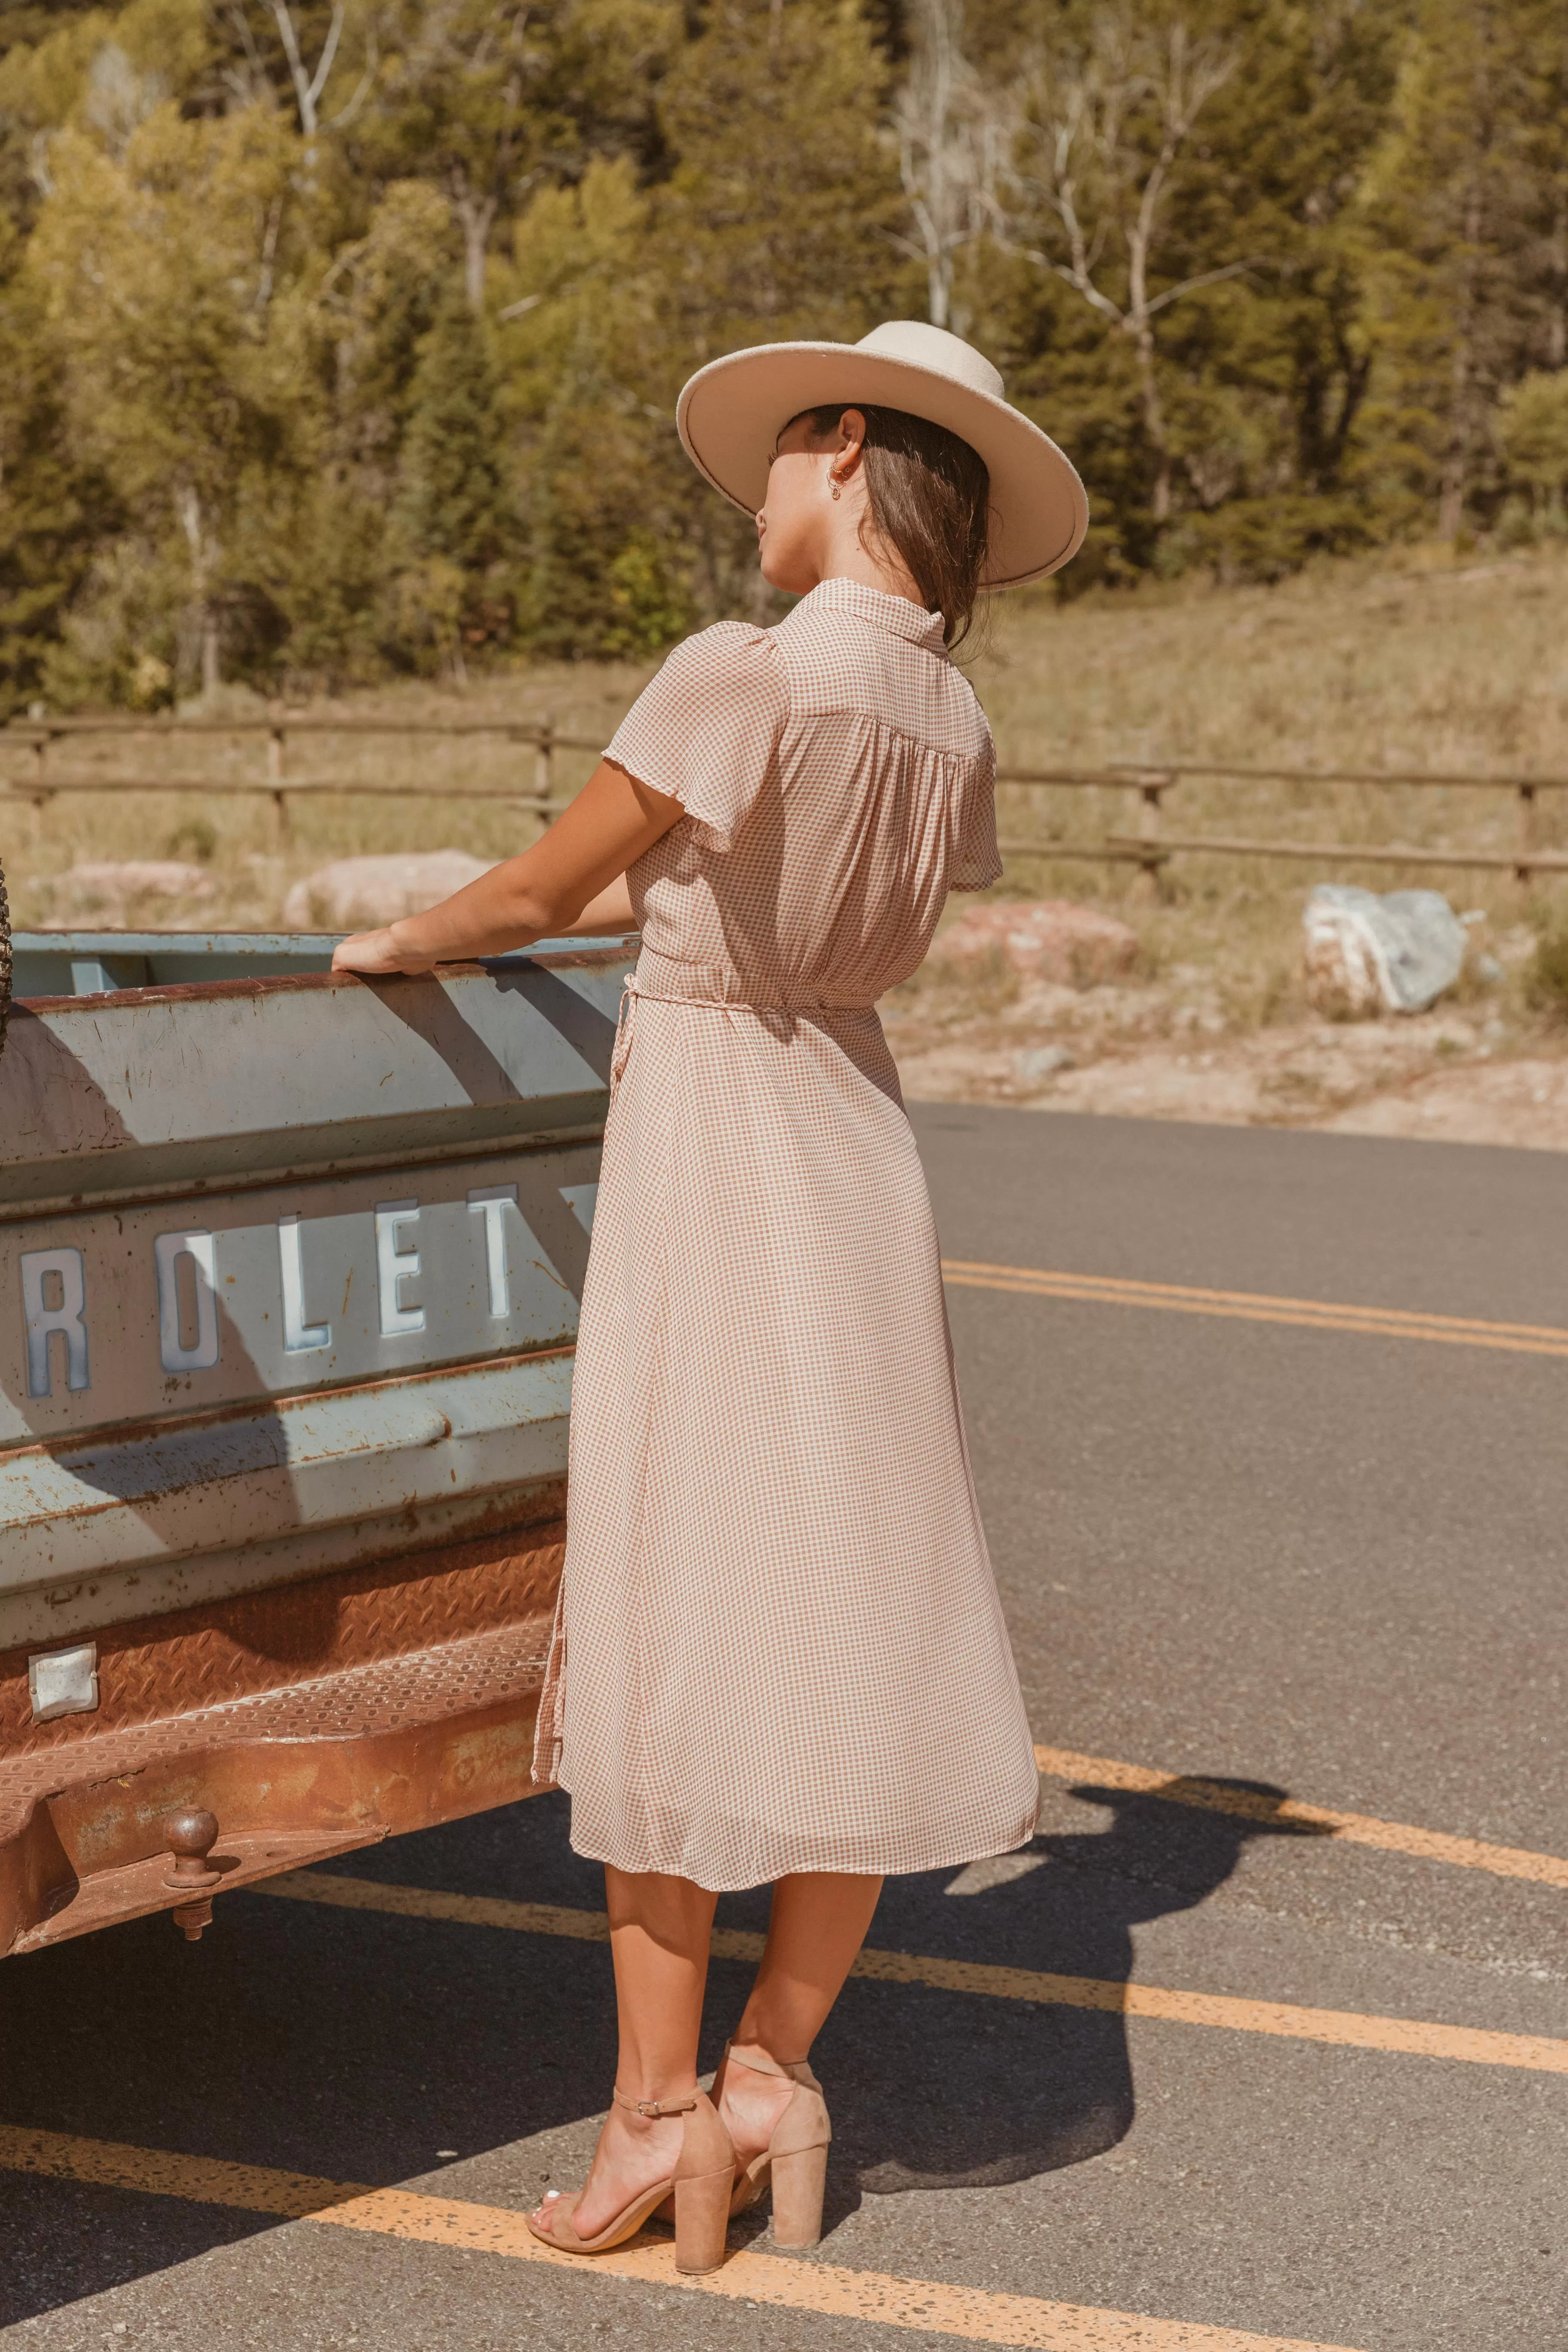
(655, 2106)
(790, 2069)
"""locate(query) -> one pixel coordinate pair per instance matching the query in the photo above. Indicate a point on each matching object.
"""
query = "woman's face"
(801, 523)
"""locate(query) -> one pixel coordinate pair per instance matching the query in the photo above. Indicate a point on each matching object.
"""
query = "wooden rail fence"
(1149, 846)
(1147, 843)
(44, 780)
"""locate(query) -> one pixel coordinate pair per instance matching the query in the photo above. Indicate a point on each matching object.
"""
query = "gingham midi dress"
(779, 1644)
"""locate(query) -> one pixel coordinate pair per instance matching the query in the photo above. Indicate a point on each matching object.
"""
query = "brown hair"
(929, 496)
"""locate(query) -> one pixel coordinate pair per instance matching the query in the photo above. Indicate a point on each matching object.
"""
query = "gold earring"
(834, 479)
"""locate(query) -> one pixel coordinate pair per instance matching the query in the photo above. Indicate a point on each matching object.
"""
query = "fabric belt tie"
(674, 991)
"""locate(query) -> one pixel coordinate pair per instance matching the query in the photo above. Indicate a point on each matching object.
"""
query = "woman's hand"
(378, 952)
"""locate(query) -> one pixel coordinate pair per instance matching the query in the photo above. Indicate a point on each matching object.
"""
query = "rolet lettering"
(56, 1303)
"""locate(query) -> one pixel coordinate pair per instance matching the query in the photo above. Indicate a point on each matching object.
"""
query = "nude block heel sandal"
(795, 2160)
(700, 2187)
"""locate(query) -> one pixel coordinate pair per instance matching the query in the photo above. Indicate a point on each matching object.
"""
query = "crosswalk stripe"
(971, 2315)
(1348, 2029)
(1349, 1829)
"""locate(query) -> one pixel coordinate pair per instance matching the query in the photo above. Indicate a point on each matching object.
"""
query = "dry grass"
(233, 837)
(1425, 666)
(1409, 663)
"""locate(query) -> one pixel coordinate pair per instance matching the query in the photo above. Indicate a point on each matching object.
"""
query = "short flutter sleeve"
(706, 730)
(978, 862)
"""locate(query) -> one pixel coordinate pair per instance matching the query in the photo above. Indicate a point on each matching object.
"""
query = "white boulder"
(357, 893)
(1364, 953)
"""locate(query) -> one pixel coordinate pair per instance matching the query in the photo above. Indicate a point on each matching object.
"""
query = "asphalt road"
(1288, 1554)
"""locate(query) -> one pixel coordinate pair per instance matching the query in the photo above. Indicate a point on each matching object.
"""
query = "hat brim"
(731, 412)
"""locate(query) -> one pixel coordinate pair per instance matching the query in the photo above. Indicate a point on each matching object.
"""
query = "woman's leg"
(818, 1924)
(659, 1928)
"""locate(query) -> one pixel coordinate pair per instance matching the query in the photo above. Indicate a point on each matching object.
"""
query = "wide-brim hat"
(733, 411)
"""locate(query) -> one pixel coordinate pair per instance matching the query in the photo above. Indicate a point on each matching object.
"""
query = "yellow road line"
(974, 2314)
(201, 2180)
(1347, 2029)
(1351, 1829)
(1255, 1306)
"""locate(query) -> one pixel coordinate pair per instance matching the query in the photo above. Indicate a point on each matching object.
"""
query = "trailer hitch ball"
(190, 1836)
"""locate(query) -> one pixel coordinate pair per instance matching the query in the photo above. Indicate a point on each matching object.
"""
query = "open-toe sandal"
(700, 2188)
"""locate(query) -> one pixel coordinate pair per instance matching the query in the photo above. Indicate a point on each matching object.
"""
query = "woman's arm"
(610, 912)
(572, 870)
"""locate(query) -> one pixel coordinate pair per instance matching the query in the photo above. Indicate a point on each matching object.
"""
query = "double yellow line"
(1348, 1828)
(1348, 2029)
(1257, 1307)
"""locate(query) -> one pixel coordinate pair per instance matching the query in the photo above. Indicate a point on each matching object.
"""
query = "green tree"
(1467, 206)
(165, 281)
(602, 565)
(53, 514)
(1532, 428)
(490, 97)
(453, 511)
(1181, 187)
(778, 220)
(342, 336)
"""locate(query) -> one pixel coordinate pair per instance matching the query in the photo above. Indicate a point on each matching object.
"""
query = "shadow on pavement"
(997, 2091)
(363, 2047)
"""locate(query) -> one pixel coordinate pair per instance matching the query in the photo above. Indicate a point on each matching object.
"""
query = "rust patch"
(155, 1668)
(431, 1725)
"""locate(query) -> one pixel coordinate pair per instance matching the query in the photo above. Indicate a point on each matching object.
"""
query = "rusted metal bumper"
(309, 1719)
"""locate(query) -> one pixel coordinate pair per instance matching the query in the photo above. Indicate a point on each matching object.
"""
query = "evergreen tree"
(1466, 205)
(54, 514)
(453, 495)
(452, 509)
(778, 220)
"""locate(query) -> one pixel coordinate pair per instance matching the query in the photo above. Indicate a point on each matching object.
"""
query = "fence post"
(1523, 871)
(544, 767)
(275, 735)
(1150, 884)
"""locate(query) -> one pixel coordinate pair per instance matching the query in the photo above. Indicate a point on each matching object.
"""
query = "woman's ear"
(851, 442)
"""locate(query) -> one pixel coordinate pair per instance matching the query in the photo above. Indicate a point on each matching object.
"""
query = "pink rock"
(363, 891)
(1049, 937)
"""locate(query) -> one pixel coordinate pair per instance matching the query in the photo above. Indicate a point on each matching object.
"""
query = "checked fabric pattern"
(779, 1646)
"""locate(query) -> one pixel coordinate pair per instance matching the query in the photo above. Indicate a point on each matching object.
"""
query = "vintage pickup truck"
(290, 1273)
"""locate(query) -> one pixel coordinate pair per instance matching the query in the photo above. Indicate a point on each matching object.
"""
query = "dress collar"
(883, 612)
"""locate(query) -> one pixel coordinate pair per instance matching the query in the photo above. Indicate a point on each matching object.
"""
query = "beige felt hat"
(733, 411)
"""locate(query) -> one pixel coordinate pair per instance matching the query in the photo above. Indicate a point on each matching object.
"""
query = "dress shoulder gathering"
(779, 1646)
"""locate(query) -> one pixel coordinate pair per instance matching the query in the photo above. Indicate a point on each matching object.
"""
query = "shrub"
(1546, 974)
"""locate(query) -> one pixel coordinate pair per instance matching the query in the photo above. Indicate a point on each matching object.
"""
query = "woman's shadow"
(966, 2090)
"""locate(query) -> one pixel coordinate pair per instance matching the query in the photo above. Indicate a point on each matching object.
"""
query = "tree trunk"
(475, 243)
(476, 218)
(1153, 419)
(1455, 479)
(939, 288)
(193, 522)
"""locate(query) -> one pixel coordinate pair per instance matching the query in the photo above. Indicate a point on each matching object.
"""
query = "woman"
(779, 1655)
